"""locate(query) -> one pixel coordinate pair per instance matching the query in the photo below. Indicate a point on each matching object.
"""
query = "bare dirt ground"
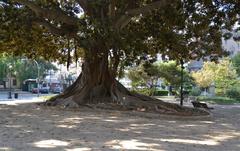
(28, 127)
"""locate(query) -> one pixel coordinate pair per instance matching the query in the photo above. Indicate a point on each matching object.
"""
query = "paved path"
(23, 97)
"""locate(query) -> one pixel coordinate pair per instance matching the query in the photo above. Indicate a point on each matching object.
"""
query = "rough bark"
(96, 87)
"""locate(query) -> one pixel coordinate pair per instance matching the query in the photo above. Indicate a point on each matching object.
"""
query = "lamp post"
(10, 82)
(181, 88)
(38, 79)
(38, 72)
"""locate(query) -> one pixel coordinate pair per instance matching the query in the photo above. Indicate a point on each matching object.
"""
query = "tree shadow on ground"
(30, 127)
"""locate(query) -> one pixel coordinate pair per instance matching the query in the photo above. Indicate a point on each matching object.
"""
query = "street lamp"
(10, 82)
(38, 71)
(38, 79)
(181, 88)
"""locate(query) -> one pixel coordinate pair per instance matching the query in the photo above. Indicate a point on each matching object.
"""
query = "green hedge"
(233, 93)
(161, 93)
(144, 91)
(217, 100)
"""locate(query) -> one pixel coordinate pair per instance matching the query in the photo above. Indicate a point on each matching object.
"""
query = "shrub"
(174, 92)
(195, 92)
(234, 93)
(147, 91)
(217, 100)
(144, 91)
(161, 93)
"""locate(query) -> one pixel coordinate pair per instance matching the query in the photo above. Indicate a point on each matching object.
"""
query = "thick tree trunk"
(96, 85)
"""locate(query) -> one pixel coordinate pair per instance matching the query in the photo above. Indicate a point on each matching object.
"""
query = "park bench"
(197, 104)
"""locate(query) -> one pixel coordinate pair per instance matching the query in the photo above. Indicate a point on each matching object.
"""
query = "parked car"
(34, 90)
(57, 90)
(44, 90)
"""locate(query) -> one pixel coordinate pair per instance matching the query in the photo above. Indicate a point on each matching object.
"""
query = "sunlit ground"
(28, 127)
(22, 101)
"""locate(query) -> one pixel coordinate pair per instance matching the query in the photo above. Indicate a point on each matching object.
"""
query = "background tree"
(24, 69)
(28, 69)
(107, 32)
(171, 73)
(144, 78)
(205, 77)
(236, 63)
(221, 74)
(147, 75)
(225, 76)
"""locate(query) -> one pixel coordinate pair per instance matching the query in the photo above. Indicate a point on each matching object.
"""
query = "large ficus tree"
(110, 33)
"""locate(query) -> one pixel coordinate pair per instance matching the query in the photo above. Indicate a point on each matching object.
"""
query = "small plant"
(195, 92)
(233, 92)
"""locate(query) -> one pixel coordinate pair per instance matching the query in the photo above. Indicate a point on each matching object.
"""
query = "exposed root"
(104, 95)
(130, 101)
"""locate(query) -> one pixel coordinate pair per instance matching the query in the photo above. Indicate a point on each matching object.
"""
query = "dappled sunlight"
(51, 143)
(191, 141)
(14, 126)
(93, 118)
(189, 125)
(72, 120)
(128, 130)
(79, 149)
(227, 125)
(113, 117)
(161, 126)
(133, 127)
(225, 136)
(171, 121)
(140, 125)
(55, 115)
(206, 122)
(69, 122)
(132, 144)
(123, 129)
(5, 149)
(111, 120)
(66, 126)
(25, 115)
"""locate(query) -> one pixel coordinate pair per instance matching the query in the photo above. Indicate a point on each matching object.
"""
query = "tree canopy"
(222, 75)
(236, 63)
(148, 74)
(127, 29)
(23, 69)
(110, 34)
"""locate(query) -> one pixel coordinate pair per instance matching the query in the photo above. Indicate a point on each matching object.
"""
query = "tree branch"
(126, 18)
(111, 11)
(83, 4)
(51, 28)
(52, 14)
